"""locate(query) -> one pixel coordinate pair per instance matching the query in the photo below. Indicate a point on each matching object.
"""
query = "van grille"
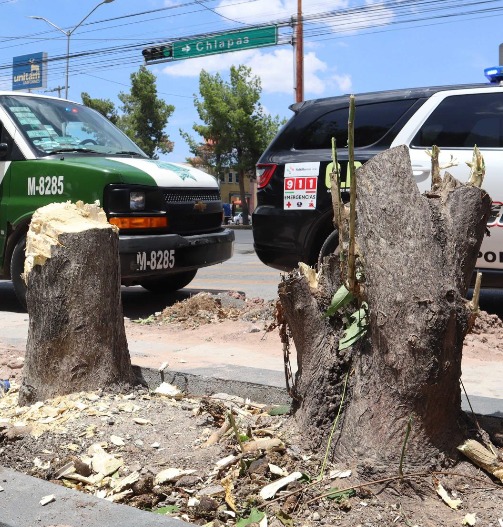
(189, 196)
(193, 211)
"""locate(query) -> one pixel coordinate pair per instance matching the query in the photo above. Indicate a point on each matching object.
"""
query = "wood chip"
(453, 503)
(270, 490)
(141, 421)
(47, 499)
(117, 441)
(262, 444)
(170, 474)
(469, 519)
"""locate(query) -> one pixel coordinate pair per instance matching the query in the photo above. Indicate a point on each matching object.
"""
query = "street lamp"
(68, 34)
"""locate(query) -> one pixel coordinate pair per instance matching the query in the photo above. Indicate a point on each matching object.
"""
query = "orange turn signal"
(140, 222)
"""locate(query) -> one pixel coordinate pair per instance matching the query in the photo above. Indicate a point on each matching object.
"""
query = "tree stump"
(76, 336)
(418, 254)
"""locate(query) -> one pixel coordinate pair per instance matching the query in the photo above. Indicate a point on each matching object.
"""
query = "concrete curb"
(20, 507)
(193, 384)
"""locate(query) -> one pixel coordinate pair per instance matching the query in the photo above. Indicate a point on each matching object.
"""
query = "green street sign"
(225, 42)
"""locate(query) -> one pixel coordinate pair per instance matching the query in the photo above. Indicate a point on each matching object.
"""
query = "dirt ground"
(180, 455)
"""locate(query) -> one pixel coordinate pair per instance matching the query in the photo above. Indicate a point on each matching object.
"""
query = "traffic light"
(159, 53)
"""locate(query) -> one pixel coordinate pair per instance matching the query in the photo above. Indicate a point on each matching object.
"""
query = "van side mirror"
(4, 148)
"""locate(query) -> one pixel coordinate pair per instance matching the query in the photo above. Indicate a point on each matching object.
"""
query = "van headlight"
(137, 200)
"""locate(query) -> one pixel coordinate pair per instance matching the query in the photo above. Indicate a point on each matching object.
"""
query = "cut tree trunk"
(76, 336)
(418, 254)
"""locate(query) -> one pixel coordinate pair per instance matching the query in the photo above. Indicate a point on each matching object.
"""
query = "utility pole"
(58, 89)
(299, 55)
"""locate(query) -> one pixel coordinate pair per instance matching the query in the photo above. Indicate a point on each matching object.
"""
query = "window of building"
(229, 177)
(236, 178)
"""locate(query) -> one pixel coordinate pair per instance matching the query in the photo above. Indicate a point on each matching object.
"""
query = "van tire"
(330, 246)
(170, 283)
(17, 269)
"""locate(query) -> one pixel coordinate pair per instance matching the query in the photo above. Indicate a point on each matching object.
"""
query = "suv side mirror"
(4, 148)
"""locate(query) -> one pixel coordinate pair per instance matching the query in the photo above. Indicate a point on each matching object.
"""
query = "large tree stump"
(418, 255)
(76, 336)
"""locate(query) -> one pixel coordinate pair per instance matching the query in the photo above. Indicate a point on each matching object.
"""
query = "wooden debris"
(469, 519)
(262, 444)
(47, 499)
(270, 490)
(482, 457)
(453, 503)
(170, 474)
(216, 436)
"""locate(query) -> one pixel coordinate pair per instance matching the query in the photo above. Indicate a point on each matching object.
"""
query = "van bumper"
(161, 255)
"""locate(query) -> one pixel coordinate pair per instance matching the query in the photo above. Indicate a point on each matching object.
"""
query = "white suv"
(293, 220)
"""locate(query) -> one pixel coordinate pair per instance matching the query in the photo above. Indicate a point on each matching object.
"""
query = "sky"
(350, 46)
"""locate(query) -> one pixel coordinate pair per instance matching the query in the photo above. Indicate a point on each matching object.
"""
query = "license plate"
(155, 260)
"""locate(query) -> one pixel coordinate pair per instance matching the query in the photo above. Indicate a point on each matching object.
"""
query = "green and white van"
(52, 150)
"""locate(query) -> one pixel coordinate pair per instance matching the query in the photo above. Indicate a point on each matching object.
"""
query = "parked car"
(52, 150)
(239, 219)
(294, 218)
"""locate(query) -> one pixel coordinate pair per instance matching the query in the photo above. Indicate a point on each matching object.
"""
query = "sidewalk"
(242, 359)
(252, 365)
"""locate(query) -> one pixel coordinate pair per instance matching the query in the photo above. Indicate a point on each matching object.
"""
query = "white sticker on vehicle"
(301, 185)
(155, 260)
(46, 185)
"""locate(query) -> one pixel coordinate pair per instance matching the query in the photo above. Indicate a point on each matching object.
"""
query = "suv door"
(455, 121)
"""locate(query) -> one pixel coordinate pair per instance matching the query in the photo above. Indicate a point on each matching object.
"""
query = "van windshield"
(52, 125)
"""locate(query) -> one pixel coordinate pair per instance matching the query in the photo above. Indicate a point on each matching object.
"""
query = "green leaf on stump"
(341, 298)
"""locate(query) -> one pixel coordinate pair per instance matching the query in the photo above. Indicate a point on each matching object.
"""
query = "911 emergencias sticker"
(301, 184)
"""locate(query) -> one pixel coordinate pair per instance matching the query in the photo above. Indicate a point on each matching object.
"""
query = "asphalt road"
(244, 272)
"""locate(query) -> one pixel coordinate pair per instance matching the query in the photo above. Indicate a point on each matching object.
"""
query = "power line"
(322, 26)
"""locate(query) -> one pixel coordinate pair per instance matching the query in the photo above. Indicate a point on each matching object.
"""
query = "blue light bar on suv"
(494, 74)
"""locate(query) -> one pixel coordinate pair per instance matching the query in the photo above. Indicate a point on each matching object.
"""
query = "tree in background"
(104, 106)
(236, 129)
(144, 116)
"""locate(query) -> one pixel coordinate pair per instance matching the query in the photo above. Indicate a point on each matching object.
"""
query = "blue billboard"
(29, 71)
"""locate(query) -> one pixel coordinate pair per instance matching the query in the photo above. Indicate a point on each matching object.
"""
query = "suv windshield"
(372, 122)
(53, 125)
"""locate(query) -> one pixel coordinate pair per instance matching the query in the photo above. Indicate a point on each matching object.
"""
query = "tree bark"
(418, 254)
(76, 336)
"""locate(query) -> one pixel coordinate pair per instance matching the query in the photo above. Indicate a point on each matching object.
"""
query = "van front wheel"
(169, 284)
(17, 269)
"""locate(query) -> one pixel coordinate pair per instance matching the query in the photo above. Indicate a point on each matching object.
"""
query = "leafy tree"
(144, 116)
(236, 129)
(104, 106)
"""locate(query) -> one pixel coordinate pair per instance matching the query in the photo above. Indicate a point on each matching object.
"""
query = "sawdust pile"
(205, 308)
(487, 323)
